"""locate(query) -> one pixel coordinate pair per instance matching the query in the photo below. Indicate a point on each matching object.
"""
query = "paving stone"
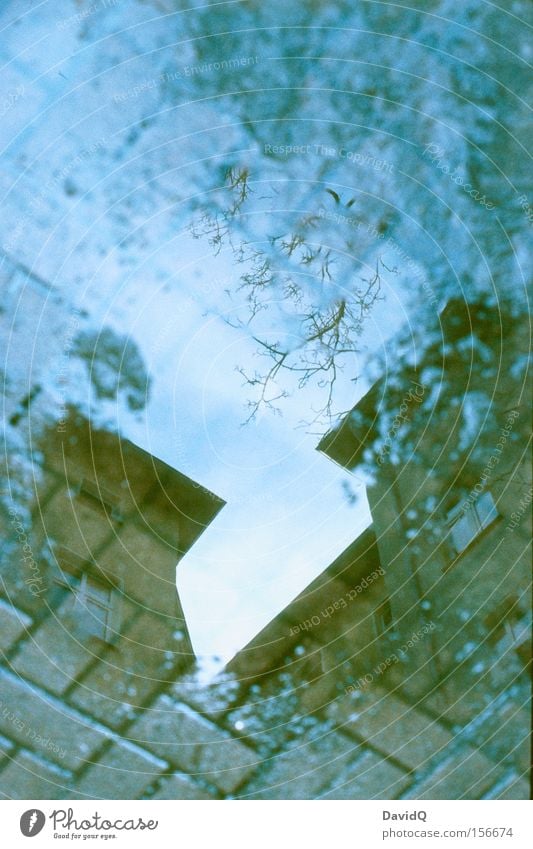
(212, 699)
(69, 521)
(17, 576)
(121, 773)
(27, 301)
(306, 769)
(30, 777)
(269, 718)
(140, 662)
(6, 746)
(180, 787)
(468, 775)
(317, 694)
(45, 724)
(518, 788)
(371, 777)
(511, 724)
(7, 270)
(391, 725)
(462, 698)
(13, 623)
(148, 568)
(53, 657)
(174, 731)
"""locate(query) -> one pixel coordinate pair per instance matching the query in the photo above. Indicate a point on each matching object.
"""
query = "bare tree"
(324, 300)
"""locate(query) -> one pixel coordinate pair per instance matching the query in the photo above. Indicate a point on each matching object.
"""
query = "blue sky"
(286, 516)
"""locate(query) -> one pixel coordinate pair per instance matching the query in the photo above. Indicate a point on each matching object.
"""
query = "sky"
(286, 516)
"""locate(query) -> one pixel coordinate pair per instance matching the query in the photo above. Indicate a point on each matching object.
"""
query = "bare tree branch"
(329, 310)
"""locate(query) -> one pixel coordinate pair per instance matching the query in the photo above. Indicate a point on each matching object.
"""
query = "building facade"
(399, 673)
(449, 494)
(93, 634)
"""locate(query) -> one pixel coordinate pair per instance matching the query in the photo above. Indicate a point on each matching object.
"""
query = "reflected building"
(92, 627)
(445, 498)
(398, 673)
(408, 657)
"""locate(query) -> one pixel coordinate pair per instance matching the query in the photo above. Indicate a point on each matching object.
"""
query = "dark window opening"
(93, 606)
(466, 521)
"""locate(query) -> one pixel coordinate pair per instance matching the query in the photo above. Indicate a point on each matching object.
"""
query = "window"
(96, 605)
(466, 524)
(508, 626)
